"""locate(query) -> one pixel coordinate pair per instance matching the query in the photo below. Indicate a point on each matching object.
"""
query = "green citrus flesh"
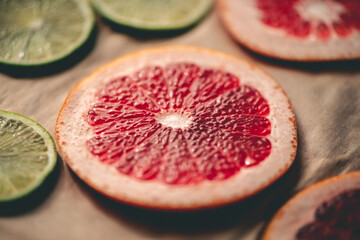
(153, 14)
(27, 155)
(36, 32)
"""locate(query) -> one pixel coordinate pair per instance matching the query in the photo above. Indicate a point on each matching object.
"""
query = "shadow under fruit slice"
(27, 155)
(177, 128)
(36, 32)
(327, 210)
(153, 14)
(301, 30)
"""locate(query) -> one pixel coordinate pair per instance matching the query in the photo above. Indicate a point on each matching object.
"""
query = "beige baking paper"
(326, 100)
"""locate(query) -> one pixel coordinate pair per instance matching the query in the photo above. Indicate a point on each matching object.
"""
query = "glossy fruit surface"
(329, 209)
(180, 124)
(161, 119)
(300, 30)
(153, 14)
(36, 32)
(27, 155)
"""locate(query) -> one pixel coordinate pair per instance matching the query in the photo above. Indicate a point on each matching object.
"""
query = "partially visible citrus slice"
(327, 210)
(153, 14)
(27, 155)
(36, 32)
(177, 128)
(301, 30)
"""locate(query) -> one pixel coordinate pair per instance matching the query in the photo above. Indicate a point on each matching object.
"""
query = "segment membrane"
(23, 155)
(302, 18)
(37, 30)
(223, 126)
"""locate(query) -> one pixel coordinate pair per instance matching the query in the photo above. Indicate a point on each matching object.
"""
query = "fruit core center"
(320, 10)
(174, 120)
(36, 24)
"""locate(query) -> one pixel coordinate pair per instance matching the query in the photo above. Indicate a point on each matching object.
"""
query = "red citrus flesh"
(328, 210)
(164, 127)
(226, 129)
(337, 218)
(322, 18)
(302, 30)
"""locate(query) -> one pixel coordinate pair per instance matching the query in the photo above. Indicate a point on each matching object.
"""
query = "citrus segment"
(153, 14)
(243, 100)
(122, 92)
(210, 85)
(27, 155)
(36, 32)
(180, 125)
(180, 78)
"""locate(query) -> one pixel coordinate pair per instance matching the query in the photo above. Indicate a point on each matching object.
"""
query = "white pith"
(73, 132)
(320, 10)
(174, 120)
(300, 210)
(242, 18)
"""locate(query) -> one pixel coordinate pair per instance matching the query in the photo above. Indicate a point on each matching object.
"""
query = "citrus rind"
(242, 19)
(72, 136)
(110, 13)
(300, 209)
(87, 28)
(51, 152)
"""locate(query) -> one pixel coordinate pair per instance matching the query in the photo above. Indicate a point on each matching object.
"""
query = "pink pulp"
(335, 219)
(179, 124)
(302, 18)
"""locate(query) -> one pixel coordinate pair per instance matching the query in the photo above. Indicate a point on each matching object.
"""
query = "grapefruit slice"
(327, 210)
(302, 30)
(177, 128)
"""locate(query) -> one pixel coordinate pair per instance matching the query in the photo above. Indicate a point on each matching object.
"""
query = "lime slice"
(35, 32)
(27, 155)
(153, 14)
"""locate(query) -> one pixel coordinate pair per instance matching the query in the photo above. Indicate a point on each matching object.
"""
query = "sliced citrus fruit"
(327, 210)
(153, 14)
(27, 155)
(36, 32)
(177, 128)
(304, 30)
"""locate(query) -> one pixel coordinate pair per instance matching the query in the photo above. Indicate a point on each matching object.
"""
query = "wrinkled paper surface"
(326, 101)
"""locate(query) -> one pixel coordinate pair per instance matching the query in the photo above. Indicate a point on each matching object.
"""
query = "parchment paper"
(326, 102)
